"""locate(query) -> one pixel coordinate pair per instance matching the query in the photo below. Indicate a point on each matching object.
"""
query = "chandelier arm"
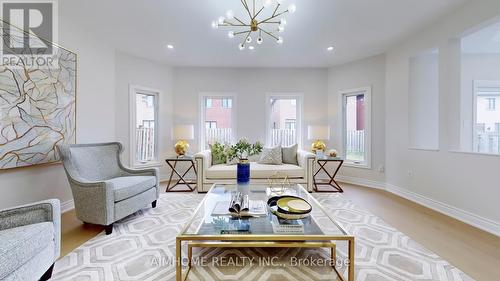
(241, 32)
(244, 2)
(253, 9)
(239, 21)
(275, 10)
(245, 40)
(275, 22)
(232, 24)
(258, 12)
(269, 33)
(273, 17)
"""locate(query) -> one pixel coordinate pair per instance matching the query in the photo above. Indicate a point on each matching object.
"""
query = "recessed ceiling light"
(329, 49)
(170, 46)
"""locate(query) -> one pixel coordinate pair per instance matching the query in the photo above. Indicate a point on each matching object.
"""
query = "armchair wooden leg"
(108, 229)
(153, 204)
(48, 274)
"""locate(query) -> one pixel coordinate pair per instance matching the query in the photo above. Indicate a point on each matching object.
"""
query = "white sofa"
(209, 174)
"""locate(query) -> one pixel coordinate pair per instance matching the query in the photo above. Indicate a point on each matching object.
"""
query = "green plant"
(221, 153)
(218, 153)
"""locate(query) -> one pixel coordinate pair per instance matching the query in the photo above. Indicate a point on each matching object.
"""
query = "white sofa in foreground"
(209, 174)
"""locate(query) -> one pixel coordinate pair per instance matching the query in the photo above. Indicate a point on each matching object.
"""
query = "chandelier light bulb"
(280, 40)
(230, 34)
(241, 46)
(251, 47)
(221, 20)
(292, 8)
(267, 3)
(281, 2)
(283, 22)
(281, 28)
(249, 39)
(230, 14)
(215, 25)
(260, 40)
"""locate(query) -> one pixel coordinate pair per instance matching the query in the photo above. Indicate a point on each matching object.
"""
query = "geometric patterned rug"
(142, 247)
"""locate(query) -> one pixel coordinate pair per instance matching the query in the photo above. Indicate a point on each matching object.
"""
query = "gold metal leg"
(178, 259)
(190, 254)
(351, 260)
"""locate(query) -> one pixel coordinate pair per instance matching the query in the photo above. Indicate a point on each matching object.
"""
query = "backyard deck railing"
(488, 142)
(283, 137)
(145, 148)
(222, 135)
(355, 142)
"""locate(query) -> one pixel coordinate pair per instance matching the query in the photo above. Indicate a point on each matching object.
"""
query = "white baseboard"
(459, 214)
(67, 206)
(361, 181)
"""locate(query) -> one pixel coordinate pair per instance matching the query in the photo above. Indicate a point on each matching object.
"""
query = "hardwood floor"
(474, 251)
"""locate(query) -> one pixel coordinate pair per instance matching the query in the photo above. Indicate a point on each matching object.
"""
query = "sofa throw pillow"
(271, 156)
(289, 154)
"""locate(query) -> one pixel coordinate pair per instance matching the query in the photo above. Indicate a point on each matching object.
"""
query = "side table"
(322, 162)
(172, 163)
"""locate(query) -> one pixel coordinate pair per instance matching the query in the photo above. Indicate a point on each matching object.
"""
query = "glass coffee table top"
(205, 223)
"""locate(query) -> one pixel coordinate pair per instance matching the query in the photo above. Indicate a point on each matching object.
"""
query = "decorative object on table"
(271, 156)
(38, 102)
(318, 134)
(270, 21)
(332, 153)
(322, 162)
(172, 163)
(278, 182)
(289, 207)
(243, 171)
(182, 133)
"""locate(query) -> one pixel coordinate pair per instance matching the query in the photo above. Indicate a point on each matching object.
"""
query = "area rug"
(142, 247)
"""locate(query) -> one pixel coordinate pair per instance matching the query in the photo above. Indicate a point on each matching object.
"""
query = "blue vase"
(243, 172)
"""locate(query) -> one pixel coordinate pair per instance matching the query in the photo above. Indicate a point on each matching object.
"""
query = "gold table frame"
(261, 241)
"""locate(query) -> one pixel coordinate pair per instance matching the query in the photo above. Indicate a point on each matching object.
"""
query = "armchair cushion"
(21, 244)
(126, 187)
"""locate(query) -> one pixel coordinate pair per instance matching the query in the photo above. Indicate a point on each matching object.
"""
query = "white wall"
(250, 86)
(95, 120)
(362, 73)
(463, 184)
(139, 72)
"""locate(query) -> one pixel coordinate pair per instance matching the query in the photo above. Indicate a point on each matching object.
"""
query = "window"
(356, 113)
(227, 103)
(217, 120)
(486, 134)
(211, 124)
(480, 89)
(284, 120)
(423, 100)
(144, 124)
(491, 104)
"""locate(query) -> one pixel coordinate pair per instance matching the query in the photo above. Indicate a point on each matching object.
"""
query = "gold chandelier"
(268, 25)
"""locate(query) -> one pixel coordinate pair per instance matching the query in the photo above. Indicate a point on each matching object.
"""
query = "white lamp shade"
(318, 132)
(183, 132)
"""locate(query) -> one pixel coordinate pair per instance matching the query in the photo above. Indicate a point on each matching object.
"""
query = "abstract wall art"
(37, 101)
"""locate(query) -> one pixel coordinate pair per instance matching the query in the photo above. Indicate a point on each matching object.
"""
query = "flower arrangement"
(239, 151)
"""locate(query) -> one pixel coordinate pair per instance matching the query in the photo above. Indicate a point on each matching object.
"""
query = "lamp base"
(318, 146)
(181, 147)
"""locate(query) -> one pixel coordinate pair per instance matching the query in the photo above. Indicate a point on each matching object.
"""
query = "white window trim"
(368, 125)
(477, 85)
(300, 113)
(133, 91)
(201, 112)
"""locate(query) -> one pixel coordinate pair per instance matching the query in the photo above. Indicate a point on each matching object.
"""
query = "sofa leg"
(153, 204)
(48, 274)
(108, 229)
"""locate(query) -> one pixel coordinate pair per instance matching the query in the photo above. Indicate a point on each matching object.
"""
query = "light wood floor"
(475, 252)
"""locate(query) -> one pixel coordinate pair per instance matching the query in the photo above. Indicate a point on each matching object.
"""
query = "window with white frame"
(284, 119)
(217, 114)
(480, 89)
(144, 125)
(356, 114)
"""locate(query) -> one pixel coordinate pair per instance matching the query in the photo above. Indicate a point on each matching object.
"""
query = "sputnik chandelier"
(268, 25)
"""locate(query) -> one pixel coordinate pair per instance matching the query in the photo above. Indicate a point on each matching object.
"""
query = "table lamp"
(182, 133)
(318, 134)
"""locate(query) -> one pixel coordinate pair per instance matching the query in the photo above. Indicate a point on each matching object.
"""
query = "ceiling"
(356, 28)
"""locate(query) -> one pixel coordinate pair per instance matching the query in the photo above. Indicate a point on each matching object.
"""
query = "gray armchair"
(104, 190)
(30, 240)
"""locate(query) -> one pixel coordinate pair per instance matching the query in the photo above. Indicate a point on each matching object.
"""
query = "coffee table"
(205, 229)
